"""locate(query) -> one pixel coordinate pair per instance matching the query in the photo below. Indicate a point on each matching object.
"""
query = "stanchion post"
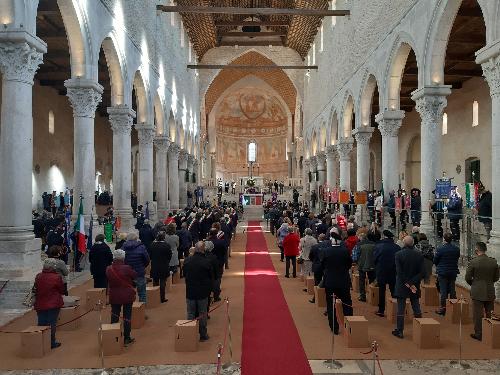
(219, 351)
(333, 364)
(228, 365)
(374, 351)
(101, 349)
(459, 364)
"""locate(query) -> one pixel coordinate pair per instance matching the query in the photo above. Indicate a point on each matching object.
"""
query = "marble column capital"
(363, 135)
(146, 134)
(331, 152)
(173, 151)
(313, 163)
(84, 96)
(344, 148)
(491, 72)
(162, 144)
(430, 104)
(306, 163)
(183, 156)
(389, 122)
(321, 160)
(121, 118)
(190, 161)
(19, 61)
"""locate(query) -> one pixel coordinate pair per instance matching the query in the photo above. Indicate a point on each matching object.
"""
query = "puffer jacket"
(120, 283)
(366, 261)
(446, 260)
(136, 256)
(49, 290)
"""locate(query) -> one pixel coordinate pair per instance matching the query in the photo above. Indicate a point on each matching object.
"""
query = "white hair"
(119, 254)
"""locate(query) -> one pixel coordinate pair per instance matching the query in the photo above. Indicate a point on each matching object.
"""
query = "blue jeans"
(140, 283)
(415, 306)
(49, 318)
(446, 287)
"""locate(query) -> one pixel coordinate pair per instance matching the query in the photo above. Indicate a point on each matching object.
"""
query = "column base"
(20, 261)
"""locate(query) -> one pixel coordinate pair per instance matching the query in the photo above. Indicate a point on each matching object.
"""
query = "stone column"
(190, 163)
(84, 95)
(344, 148)
(146, 134)
(162, 143)
(389, 124)
(313, 167)
(363, 135)
(290, 164)
(173, 174)
(331, 178)
(321, 159)
(489, 58)
(183, 157)
(431, 102)
(213, 173)
(306, 163)
(121, 118)
(19, 250)
(196, 171)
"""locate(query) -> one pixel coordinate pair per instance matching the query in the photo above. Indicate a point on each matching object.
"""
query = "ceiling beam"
(252, 11)
(238, 34)
(254, 67)
(251, 23)
(252, 43)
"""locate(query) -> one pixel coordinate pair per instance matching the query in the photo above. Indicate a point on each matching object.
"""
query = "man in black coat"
(199, 279)
(409, 273)
(220, 251)
(161, 254)
(385, 267)
(336, 263)
(185, 240)
(484, 209)
(146, 235)
(316, 256)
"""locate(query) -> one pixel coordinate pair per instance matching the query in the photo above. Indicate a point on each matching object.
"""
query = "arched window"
(51, 122)
(445, 123)
(252, 151)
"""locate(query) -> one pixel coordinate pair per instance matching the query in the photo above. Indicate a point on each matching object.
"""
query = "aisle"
(271, 343)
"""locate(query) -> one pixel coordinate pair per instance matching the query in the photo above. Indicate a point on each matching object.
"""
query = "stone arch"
(413, 162)
(117, 70)
(314, 143)
(322, 137)
(181, 134)
(159, 116)
(437, 39)
(172, 127)
(333, 129)
(142, 99)
(366, 99)
(345, 129)
(402, 47)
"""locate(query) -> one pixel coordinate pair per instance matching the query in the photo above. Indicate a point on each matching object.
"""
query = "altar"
(253, 208)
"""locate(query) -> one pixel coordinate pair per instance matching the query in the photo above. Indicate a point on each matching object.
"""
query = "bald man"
(409, 273)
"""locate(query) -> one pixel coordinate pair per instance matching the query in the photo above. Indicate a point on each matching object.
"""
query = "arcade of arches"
(100, 100)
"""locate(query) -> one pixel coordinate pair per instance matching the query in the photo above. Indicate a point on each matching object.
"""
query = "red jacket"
(49, 291)
(350, 242)
(120, 283)
(291, 244)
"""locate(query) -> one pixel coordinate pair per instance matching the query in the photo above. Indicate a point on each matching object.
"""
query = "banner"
(334, 195)
(443, 188)
(471, 195)
(344, 197)
(360, 197)
(397, 202)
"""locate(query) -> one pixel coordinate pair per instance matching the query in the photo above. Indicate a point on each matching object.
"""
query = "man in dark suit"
(409, 273)
(336, 263)
(482, 274)
(385, 267)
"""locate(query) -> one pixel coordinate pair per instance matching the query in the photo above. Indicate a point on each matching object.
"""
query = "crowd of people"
(331, 248)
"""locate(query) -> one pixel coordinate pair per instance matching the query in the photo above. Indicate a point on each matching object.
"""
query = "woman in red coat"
(291, 250)
(121, 292)
(49, 289)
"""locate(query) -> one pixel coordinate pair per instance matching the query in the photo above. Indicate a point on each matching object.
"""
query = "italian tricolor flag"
(81, 244)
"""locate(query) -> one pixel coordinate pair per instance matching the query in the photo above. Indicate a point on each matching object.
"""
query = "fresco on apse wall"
(246, 114)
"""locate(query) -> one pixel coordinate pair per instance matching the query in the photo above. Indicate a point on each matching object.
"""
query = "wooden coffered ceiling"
(209, 30)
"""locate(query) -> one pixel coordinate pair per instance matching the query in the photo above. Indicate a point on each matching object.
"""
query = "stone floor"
(318, 367)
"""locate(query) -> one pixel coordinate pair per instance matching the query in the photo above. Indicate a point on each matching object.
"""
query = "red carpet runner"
(271, 343)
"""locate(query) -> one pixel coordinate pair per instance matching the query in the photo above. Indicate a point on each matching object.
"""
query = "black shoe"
(362, 299)
(55, 345)
(335, 331)
(398, 334)
(475, 337)
(281, 260)
(378, 313)
(164, 300)
(128, 340)
(312, 300)
(441, 312)
(287, 276)
(325, 313)
(204, 338)
(304, 290)
(294, 276)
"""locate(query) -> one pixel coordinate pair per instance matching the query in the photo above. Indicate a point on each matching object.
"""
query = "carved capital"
(19, 61)
(173, 151)
(183, 156)
(84, 96)
(491, 72)
(431, 109)
(363, 135)
(146, 134)
(331, 152)
(321, 160)
(389, 122)
(344, 148)
(162, 144)
(306, 163)
(190, 161)
(313, 163)
(121, 118)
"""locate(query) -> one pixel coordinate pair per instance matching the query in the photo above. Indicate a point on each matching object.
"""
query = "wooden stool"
(94, 295)
(68, 317)
(491, 333)
(355, 282)
(391, 310)
(186, 336)
(426, 333)
(35, 341)
(372, 295)
(176, 277)
(455, 308)
(112, 339)
(138, 315)
(320, 297)
(430, 296)
(356, 331)
(153, 298)
(310, 285)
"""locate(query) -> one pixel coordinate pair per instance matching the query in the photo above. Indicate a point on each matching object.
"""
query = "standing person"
(173, 240)
(384, 255)
(427, 251)
(49, 289)
(409, 273)
(306, 243)
(446, 261)
(379, 206)
(482, 274)
(281, 234)
(199, 280)
(220, 251)
(366, 265)
(316, 256)
(185, 240)
(336, 264)
(161, 255)
(121, 292)
(455, 213)
(291, 251)
(484, 209)
(100, 257)
(146, 234)
(56, 252)
(137, 257)
(351, 239)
